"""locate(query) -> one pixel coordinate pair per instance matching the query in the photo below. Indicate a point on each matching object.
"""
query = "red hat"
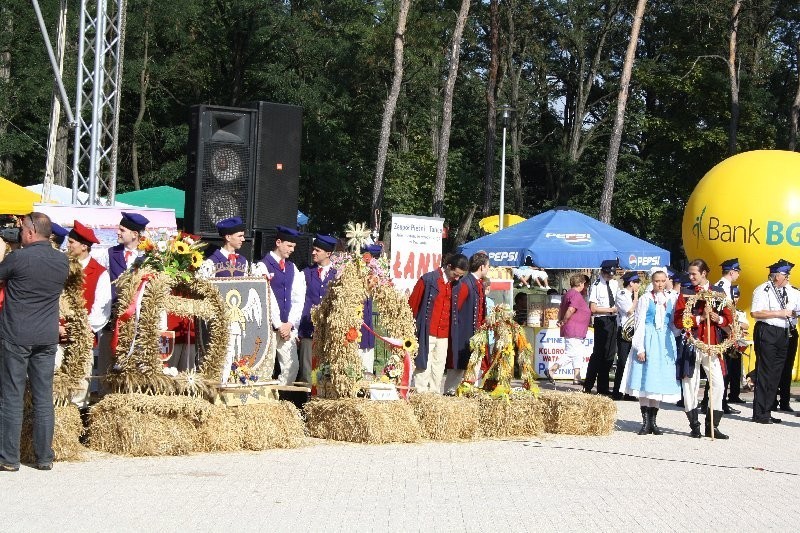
(82, 234)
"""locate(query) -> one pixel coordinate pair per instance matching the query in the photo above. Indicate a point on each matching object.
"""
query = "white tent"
(63, 195)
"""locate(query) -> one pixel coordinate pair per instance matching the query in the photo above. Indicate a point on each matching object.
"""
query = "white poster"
(416, 249)
(548, 345)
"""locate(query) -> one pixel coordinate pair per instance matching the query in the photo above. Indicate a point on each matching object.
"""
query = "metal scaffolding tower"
(101, 41)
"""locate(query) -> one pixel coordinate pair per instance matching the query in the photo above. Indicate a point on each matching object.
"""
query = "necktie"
(128, 255)
(784, 297)
(319, 272)
(232, 258)
(282, 264)
(610, 294)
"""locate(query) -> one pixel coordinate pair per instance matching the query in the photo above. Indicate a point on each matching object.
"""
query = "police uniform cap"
(325, 242)
(229, 226)
(82, 234)
(731, 264)
(609, 265)
(286, 234)
(782, 266)
(631, 276)
(133, 221)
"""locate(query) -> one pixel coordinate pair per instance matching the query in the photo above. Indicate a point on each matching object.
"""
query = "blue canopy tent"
(563, 238)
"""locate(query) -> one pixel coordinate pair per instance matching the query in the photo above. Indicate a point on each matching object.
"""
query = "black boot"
(654, 429)
(646, 427)
(717, 416)
(694, 424)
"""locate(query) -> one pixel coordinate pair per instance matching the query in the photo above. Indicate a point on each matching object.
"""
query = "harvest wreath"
(716, 300)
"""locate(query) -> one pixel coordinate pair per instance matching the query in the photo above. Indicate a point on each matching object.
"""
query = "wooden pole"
(710, 413)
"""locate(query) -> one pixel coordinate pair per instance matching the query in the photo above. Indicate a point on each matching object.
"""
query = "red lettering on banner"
(408, 271)
(437, 262)
(422, 267)
(396, 267)
(415, 265)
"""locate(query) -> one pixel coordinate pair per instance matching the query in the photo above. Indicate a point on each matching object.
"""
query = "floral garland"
(77, 361)
(138, 366)
(714, 299)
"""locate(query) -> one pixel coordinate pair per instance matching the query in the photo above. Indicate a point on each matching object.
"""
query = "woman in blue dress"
(650, 372)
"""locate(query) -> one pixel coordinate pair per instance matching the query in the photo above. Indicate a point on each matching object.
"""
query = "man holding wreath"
(701, 328)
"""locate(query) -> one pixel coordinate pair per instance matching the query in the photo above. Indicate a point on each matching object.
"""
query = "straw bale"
(514, 416)
(447, 418)
(275, 424)
(362, 420)
(574, 413)
(66, 435)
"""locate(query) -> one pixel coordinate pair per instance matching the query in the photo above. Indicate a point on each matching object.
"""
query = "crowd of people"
(657, 364)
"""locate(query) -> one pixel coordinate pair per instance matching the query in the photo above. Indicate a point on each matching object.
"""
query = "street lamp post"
(506, 116)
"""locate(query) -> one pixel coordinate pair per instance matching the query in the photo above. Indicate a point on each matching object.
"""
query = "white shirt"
(598, 294)
(766, 299)
(298, 295)
(725, 285)
(101, 307)
(624, 305)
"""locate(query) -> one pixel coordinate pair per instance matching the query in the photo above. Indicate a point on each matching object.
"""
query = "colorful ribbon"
(133, 306)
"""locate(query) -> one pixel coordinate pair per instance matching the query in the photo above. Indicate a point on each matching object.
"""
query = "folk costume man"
(122, 256)
(317, 278)
(706, 329)
(434, 303)
(470, 315)
(773, 308)
(96, 293)
(289, 288)
(733, 360)
(602, 303)
(366, 346)
(226, 261)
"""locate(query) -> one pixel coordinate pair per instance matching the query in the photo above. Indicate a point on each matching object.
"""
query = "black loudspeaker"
(277, 165)
(302, 250)
(221, 163)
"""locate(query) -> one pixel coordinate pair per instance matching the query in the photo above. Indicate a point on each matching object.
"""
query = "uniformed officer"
(289, 289)
(226, 261)
(773, 308)
(733, 360)
(317, 278)
(626, 301)
(785, 384)
(602, 303)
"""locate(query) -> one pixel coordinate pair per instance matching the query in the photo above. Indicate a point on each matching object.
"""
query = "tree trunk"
(466, 223)
(795, 113)
(619, 119)
(55, 106)
(388, 112)
(733, 74)
(491, 108)
(6, 165)
(62, 171)
(144, 79)
(447, 111)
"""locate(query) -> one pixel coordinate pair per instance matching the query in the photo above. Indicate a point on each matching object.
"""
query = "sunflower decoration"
(177, 255)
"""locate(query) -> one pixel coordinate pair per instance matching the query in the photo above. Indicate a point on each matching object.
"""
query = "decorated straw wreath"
(338, 319)
(76, 363)
(717, 300)
(164, 282)
(509, 342)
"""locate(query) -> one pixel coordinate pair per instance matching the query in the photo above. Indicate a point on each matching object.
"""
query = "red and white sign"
(416, 249)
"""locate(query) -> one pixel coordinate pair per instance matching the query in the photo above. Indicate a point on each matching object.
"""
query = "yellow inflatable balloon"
(748, 207)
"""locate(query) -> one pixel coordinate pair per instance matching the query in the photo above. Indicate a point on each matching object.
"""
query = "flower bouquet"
(178, 255)
(242, 373)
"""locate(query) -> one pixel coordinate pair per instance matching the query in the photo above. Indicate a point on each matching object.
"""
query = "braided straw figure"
(509, 342)
(76, 364)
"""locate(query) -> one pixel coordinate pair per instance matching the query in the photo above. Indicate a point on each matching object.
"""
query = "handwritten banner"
(416, 249)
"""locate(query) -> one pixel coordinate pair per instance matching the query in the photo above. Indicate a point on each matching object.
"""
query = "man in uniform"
(773, 308)
(317, 278)
(433, 303)
(289, 288)
(96, 293)
(703, 326)
(604, 310)
(785, 383)
(627, 299)
(470, 314)
(366, 346)
(733, 360)
(226, 262)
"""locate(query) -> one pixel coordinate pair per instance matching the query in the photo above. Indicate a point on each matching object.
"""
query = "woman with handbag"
(627, 298)
(573, 319)
(650, 372)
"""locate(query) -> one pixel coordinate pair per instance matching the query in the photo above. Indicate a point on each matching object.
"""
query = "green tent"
(163, 196)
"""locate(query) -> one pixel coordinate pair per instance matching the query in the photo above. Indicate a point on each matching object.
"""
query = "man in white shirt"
(773, 308)
(733, 365)
(604, 311)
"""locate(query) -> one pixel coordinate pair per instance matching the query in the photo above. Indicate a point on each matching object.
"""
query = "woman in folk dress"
(650, 372)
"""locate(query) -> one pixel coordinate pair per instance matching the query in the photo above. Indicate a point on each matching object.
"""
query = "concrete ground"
(622, 482)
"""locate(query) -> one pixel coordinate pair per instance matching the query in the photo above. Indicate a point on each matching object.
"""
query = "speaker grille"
(224, 183)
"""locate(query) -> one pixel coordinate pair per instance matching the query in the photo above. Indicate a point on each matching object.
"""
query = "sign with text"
(416, 249)
(548, 345)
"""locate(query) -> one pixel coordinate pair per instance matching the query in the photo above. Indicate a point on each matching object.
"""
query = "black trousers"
(605, 348)
(623, 350)
(771, 344)
(785, 384)
(733, 377)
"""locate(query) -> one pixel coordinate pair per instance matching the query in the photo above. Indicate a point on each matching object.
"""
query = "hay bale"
(140, 424)
(574, 413)
(66, 435)
(447, 418)
(260, 426)
(517, 416)
(362, 420)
